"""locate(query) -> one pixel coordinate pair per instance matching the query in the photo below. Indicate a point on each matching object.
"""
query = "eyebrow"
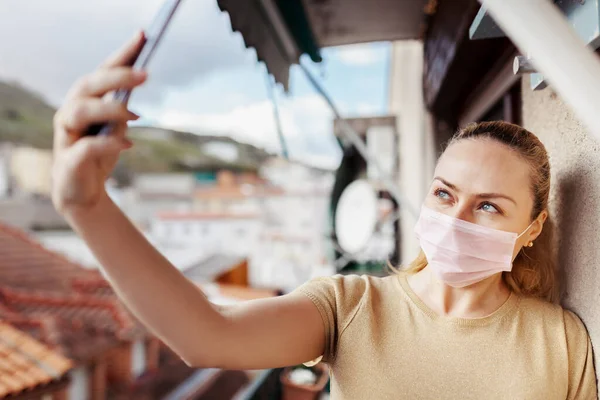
(482, 195)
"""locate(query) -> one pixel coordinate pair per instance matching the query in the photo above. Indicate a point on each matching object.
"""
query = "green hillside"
(26, 119)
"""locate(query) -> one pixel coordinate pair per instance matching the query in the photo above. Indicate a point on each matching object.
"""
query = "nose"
(461, 211)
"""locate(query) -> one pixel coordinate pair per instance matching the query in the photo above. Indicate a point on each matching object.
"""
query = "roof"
(26, 263)
(282, 30)
(70, 338)
(256, 27)
(212, 267)
(342, 22)
(182, 216)
(25, 363)
(237, 192)
(104, 313)
(50, 298)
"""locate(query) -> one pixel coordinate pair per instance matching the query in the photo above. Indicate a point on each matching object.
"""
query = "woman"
(465, 321)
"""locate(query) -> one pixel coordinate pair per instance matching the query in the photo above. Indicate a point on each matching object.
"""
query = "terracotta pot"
(293, 391)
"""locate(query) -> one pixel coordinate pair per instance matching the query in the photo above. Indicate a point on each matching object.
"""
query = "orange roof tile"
(237, 192)
(39, 292)
(105, 314)
(26, 363)
(76, 342)
(26, 263)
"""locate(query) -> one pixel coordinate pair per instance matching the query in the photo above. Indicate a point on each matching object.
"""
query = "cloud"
(46, 44)
(359, 54)
(366, 109)
(306, 125)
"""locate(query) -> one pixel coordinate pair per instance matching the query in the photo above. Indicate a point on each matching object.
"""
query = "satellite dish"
(356, 216)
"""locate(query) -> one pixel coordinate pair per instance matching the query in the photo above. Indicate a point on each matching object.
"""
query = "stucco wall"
(416, 144)
(575, 202)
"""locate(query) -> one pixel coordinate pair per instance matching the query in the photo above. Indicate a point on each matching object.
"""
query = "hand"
(82, 164)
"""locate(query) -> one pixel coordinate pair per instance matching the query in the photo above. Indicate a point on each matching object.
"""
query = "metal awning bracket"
(583, 16)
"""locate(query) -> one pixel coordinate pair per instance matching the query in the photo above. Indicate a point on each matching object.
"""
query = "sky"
(202, 78)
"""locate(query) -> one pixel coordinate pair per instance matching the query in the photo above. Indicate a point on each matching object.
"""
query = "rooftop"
(26, 364)
(62, 304)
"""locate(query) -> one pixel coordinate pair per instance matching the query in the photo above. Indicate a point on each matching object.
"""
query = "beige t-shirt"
(383, 342)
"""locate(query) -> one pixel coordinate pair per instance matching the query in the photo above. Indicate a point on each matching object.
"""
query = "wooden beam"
(448, 29)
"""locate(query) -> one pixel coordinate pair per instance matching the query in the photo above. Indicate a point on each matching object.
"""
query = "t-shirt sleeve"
(338, 299)
(582, 376)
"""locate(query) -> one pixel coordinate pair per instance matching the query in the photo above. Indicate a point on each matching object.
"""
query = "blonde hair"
(534, 269)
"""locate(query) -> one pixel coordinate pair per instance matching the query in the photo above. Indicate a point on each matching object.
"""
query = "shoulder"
(556, 318)
(347, 288)
(342, 294)
(338, 299)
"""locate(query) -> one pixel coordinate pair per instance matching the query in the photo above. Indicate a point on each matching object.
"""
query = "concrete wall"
(417, 148)
(575, 202)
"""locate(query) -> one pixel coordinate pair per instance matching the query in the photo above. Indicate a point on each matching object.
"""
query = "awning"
(282, 30)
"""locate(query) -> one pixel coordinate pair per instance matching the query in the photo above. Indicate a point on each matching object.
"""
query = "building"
(294, 240)
(25, 188)
(216, 233)
(73, 311)
(153, 193)
(233, 193)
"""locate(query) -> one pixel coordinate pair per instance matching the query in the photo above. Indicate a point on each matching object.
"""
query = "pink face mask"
(462, 253)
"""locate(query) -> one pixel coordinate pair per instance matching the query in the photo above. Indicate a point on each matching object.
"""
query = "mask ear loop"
(527, 245)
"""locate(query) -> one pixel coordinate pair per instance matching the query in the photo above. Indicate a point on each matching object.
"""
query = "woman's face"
(486, 183)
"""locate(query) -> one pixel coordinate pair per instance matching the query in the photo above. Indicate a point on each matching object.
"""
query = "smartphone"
(152, 37)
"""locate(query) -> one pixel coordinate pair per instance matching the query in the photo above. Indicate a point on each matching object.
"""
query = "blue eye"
(488, 207)
(442, 194)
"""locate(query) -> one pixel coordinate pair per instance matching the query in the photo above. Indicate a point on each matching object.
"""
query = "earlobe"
(538, 226)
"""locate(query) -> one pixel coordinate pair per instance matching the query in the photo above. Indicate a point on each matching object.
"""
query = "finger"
(104, 81)
(79, 115)
(126, 54)
(96, 149)
(120, 130)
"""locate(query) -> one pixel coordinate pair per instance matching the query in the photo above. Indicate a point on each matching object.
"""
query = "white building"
(216, 233)
(74, 248)
(293, 175)
(154, 193)
(296, 219)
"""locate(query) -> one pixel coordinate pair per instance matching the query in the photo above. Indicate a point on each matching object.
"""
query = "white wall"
(138, 358)
(223, 235)
(79, 387)
(31, 170)
(417, 152)
(4, 177)
(292, 241)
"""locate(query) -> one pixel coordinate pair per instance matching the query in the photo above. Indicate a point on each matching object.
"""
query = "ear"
(537, 226)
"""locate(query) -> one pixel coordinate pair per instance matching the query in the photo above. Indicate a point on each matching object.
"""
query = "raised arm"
(257, 334)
